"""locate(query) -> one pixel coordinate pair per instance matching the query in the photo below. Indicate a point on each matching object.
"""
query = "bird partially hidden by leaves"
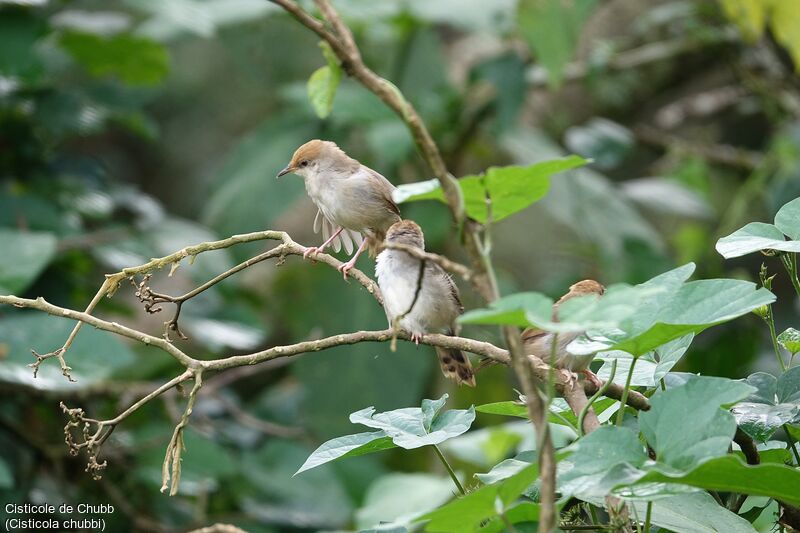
(540, 343)
(354, 203)
(437, 304)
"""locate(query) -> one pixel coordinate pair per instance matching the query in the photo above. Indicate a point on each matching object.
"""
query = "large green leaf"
(413, 427)
(94, 355)
(578, 314)
(694, 307)
(603, 459)
(650, 367)
(347, 446)
(686, 424)
(465, 514)
(697, 512)
(760, 420)
(408, 428)
(754, 237)
(788, 387)
(775, 402)
(134, 60)
(323, 83)
(728, 474)
(787, 219)
(25, 255)
(510, 189)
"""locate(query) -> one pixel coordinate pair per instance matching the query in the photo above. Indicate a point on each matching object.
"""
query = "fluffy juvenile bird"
(539, 343)
(354, 203)
(438, 304)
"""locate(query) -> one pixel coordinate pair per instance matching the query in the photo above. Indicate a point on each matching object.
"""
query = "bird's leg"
(591, 376)
(313, 250)
(347, 267)
(416, 337)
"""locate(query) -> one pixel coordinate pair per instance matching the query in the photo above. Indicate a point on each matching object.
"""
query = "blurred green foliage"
(129, 129)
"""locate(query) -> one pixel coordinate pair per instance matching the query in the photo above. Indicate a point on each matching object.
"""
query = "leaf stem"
(595, 396)
(770, 320)
(449, 470)
(623, 401)
(648, 516)
(791, 442)
(790, 263)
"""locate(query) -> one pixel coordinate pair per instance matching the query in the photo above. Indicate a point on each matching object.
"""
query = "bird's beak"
(285, 171)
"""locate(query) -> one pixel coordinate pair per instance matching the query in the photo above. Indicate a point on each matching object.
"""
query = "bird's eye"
(303, 163)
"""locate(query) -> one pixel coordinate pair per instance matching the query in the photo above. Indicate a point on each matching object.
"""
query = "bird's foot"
(569, 376)
(311, 251)
(591, 376)
(345, 268)
(416, 337)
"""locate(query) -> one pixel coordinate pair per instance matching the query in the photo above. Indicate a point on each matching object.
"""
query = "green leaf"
(134, 60)
(510, 310)
(511, 189)
(94, 355)
(706, 433)
(650, 367)
(465, 514)
(761, 420)
(787, 219)
(788, 389)
(693, 513)
(409, 429)
(6, 477)
(400, 498)
(507, 468)
(25, 255)
(754, 237)
(790, 339)
(552, 29)
(730, 474)
(323, 83)
(601, 460)
(696, 306)
(508, 408)
(347, 446)
(766, 387)
(575, 315)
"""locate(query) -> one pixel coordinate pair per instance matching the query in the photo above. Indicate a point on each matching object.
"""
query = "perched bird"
(539, 343)
(437, 305)
(354, 203)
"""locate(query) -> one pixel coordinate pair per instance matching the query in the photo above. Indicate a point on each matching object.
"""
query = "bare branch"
(447, 264)
(171, 469)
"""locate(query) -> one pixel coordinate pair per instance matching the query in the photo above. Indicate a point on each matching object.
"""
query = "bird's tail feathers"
(456, 366)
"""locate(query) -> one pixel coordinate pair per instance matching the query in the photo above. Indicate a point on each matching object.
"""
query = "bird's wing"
(384, 189)
(531, 334)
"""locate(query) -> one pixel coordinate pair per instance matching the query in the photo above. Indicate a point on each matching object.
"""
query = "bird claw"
(313, 250)
(416, 337)
(591, 376)
(569, 376)
(345, 268)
